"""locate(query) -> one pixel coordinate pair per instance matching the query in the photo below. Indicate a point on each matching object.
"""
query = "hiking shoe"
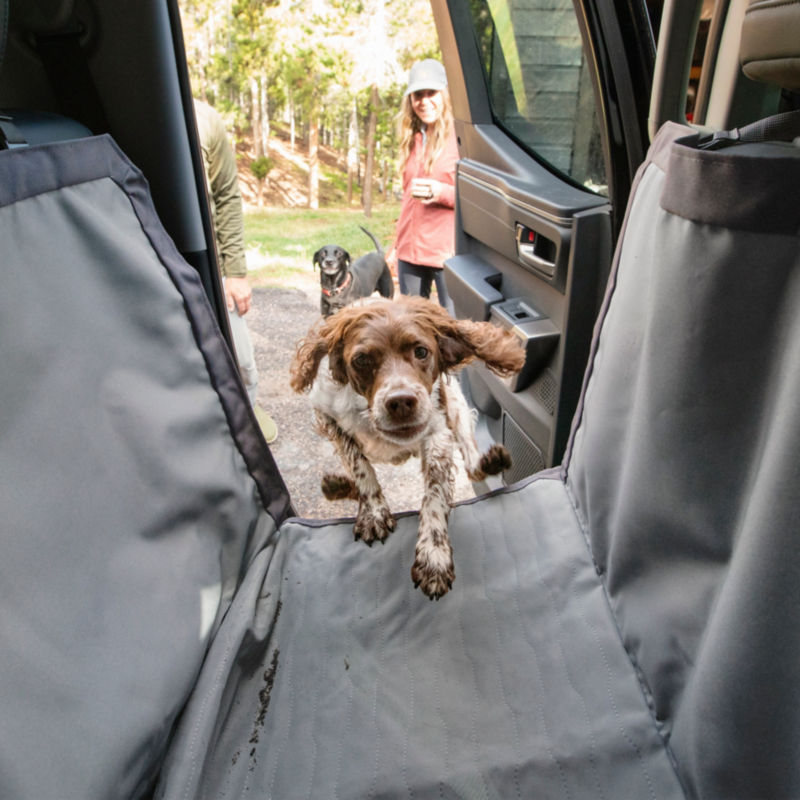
(267, 425)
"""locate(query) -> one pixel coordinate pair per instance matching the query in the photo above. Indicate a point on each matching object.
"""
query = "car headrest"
(41, 17)
(770, 44)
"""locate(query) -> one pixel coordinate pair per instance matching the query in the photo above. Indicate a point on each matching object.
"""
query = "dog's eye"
(361, 361)
(420, 352)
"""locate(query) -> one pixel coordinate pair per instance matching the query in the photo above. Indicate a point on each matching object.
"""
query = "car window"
(539, 85)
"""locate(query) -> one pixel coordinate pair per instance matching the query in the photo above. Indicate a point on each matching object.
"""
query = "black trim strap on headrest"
(783, 127)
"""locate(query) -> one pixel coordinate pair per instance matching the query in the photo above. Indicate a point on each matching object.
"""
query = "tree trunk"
(387, 179)
(352, 151)
(366, 195)
(255, 95)
(313, 161)
(291, 125)
(264, 116)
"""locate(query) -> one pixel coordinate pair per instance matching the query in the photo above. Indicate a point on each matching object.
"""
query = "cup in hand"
(421, 188)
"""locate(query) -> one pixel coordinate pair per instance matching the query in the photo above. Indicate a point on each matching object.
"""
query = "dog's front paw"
(494, 461)
(433, 570)
(374, 522)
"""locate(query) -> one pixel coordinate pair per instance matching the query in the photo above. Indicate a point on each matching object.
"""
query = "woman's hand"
(426, 190)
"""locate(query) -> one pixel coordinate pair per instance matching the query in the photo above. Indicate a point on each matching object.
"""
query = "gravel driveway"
(278, 319)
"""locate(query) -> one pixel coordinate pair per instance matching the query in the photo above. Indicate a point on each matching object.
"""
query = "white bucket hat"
(427, 74)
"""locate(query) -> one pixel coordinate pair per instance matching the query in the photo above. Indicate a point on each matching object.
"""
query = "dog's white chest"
(351, 412)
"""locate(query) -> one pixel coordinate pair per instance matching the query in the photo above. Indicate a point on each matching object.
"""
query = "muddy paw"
(373, 523)
(338, 487)
(494, 461)
(434, 572)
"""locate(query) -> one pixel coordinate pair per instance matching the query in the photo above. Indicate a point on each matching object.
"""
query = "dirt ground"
(278, 319)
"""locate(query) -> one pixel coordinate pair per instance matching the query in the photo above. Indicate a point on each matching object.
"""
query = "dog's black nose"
(401, 406)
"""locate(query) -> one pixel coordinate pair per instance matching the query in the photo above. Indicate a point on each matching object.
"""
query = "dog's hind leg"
(338, 487)
(386, 283)
(462, 422)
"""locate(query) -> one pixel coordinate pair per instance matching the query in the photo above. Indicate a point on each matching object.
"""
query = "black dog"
(342, 282)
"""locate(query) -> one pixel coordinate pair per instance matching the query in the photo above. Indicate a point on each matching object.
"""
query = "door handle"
(535, 251)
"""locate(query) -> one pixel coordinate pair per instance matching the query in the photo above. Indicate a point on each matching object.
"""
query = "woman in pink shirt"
(425, 235)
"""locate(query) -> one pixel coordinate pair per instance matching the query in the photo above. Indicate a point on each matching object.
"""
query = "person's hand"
(426, 190)
(238, 294)
(391, 261)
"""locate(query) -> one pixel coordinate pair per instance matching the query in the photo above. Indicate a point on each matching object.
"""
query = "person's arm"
(223, 181)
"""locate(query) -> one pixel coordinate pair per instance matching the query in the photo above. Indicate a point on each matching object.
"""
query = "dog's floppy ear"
(317, 258)
(326, 339)
(310, 351)
(461, 341)
(346, 258)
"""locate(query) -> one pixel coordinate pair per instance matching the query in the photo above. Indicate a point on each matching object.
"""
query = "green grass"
(286, 239)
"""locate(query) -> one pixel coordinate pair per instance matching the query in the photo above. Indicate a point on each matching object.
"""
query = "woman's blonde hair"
(436, 134)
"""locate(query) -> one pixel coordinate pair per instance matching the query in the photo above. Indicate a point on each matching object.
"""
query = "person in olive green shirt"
(222, 179)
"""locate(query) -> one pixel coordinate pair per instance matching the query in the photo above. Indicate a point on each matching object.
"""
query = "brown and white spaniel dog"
(379, 374)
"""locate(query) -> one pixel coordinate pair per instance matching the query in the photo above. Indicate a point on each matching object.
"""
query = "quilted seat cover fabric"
(333, 677)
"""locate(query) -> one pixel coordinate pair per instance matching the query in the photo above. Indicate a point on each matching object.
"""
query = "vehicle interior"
(536, 223)
(624, 619)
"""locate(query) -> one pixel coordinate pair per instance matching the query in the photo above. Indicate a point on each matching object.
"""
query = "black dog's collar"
(340, 288)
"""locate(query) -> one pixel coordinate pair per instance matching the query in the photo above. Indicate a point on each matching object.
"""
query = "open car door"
(550, 103)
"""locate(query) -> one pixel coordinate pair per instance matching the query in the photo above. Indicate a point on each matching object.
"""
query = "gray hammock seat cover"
(622, 627)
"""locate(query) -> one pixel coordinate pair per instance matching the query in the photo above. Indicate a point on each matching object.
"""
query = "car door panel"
(552, 317)
(534, 221)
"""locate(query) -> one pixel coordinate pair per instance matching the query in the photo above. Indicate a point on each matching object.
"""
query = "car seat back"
(683, 460)
(134, 482)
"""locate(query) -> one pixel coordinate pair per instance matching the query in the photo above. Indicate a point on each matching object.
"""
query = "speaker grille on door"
(545, 388)
(526, 457)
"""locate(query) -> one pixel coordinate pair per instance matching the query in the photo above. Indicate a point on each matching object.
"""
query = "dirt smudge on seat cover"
(264, 696)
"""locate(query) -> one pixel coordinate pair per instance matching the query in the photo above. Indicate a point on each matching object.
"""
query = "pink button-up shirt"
(425, 233)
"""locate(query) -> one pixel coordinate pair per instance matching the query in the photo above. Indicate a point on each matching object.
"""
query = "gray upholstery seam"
(593, 630)
(640, 678)
(379, 674)
(473, 715)
(533, 649)
(410, 704)
(291, 695)
(549, 474)
(220, 678)
(317, 689)
(499, 672)
(567, 671)
(438, 704)
(344, 737)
